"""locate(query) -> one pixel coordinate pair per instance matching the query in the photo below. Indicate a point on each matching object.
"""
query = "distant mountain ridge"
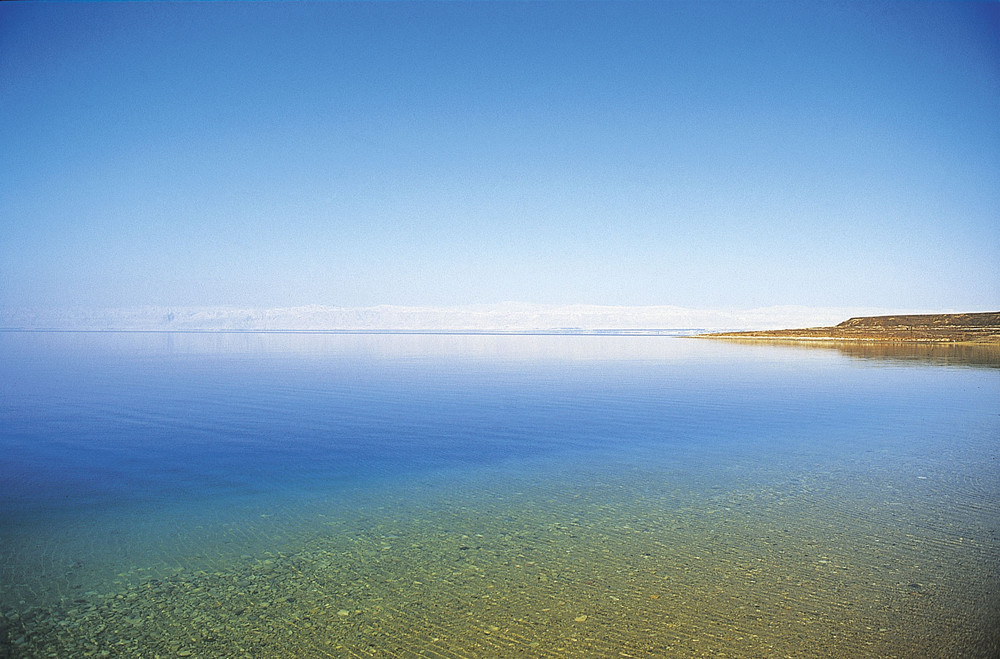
(507, 317)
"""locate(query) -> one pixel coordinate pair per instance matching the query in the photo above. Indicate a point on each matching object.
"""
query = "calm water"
(231, 495)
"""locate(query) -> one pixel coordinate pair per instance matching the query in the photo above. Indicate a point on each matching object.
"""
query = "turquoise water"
(466, 496)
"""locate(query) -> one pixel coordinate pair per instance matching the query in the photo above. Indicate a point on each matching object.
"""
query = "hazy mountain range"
(505, 317)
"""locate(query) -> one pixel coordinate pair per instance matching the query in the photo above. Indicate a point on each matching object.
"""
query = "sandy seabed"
(635, 564)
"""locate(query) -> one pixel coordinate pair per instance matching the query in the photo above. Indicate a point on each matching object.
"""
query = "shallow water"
(220, 495)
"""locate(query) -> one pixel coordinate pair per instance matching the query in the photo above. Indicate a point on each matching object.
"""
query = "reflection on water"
(937, 354)
(941, 355)
(507, 348)
(495, 496)
(360, 345)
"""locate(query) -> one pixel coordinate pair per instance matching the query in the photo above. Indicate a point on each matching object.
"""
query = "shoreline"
(927, 329)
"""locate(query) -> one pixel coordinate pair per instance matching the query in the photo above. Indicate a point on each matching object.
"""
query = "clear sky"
(704, 154)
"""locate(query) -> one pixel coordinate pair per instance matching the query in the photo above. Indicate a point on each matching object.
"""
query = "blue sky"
(712, 155)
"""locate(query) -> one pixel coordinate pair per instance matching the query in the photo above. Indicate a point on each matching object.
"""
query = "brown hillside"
(957, 321)
(938, 328)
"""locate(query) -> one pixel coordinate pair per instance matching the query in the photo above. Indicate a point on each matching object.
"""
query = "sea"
(447, 495)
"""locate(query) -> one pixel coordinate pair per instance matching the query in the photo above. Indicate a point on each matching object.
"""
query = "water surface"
(480, 496)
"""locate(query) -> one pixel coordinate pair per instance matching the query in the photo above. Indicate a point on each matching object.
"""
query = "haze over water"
(477, 496)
